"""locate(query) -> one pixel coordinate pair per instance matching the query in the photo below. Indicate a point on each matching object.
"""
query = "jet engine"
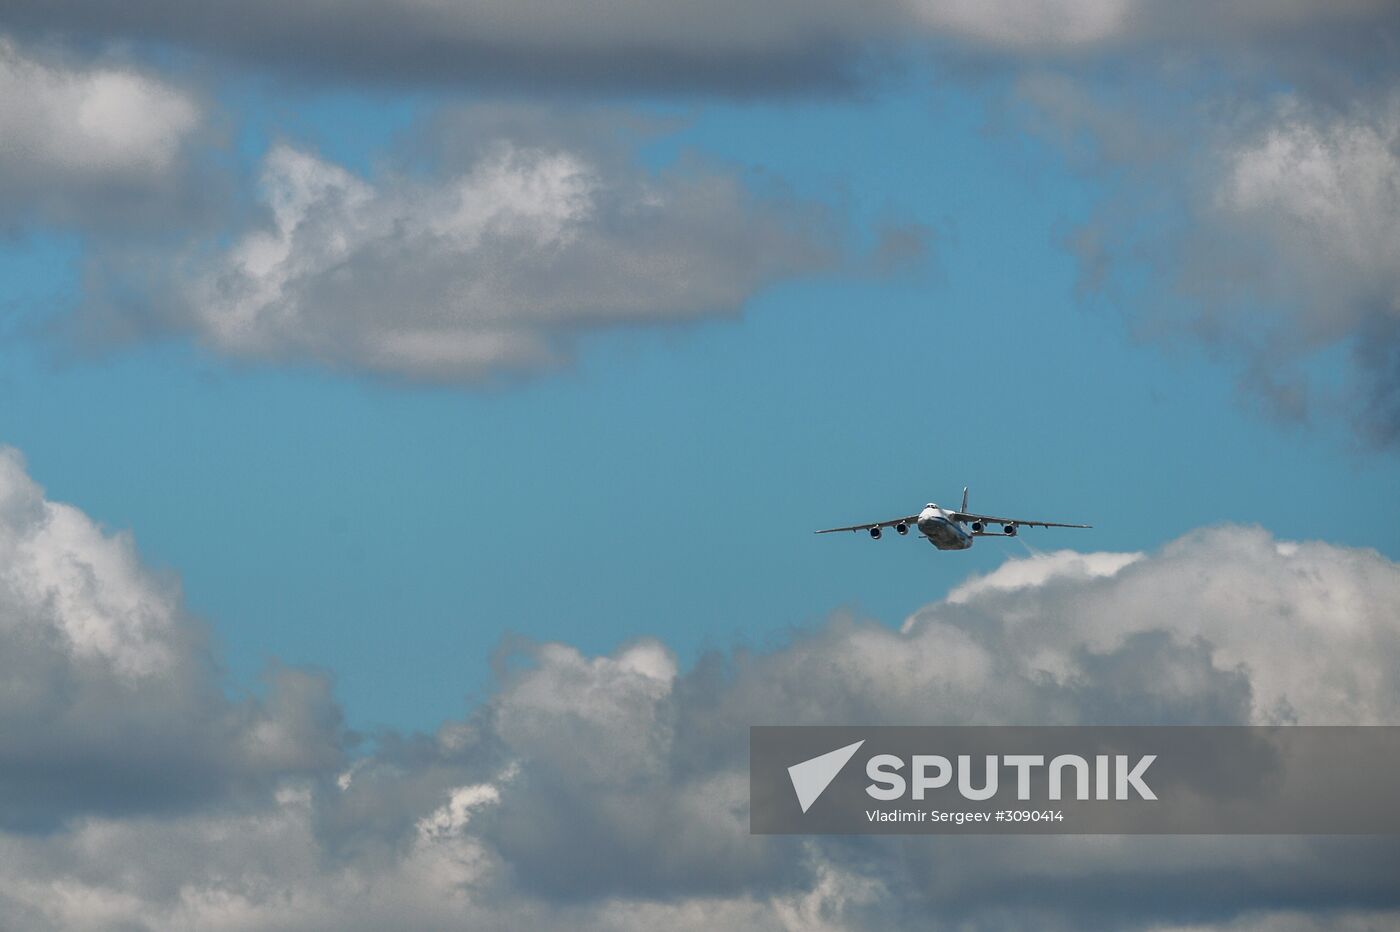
(1009, 530)
(902, 528)
(875, 533)
(978, 527)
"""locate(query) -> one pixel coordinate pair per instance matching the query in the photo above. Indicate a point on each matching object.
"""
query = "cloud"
(1249, 207)
(1246, 154)
(1317, 195)
(618, 45)
(110, 700)
(494, 260)
(610, 792)
(92, 144)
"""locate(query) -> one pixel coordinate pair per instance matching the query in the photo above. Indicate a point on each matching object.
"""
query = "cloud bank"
(728, 47)
(610, 792)
(1246, 152)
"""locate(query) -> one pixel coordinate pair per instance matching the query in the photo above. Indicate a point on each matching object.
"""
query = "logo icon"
(811, 777)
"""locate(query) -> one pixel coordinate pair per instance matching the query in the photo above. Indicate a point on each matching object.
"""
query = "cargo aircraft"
(945, 528)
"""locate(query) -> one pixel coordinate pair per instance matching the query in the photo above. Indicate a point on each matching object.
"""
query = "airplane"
(944, 528)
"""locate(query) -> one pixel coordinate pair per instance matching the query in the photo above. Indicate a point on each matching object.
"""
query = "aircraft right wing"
(966, 516)
(911, 520)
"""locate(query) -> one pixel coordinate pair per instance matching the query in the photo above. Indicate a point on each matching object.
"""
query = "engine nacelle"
(1009, 530)
(978, 527)
(875, 533)
(902, 528)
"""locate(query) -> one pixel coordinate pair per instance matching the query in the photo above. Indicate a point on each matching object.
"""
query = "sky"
(406, 405)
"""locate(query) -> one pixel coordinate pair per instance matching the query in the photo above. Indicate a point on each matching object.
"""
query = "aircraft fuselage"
(941, 530)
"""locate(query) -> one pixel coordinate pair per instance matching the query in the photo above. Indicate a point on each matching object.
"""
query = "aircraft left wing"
(992, 519)
(912, 519)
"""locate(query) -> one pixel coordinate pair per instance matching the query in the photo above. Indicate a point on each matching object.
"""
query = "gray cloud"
(492, 258)
(1312, 197)
(1250, 208)
(729, 47)
(97, 144)
(610, 792)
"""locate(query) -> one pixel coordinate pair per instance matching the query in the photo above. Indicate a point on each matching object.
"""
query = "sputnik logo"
(811, 777)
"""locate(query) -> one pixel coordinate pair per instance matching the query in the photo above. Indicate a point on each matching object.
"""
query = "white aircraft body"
(945, 529)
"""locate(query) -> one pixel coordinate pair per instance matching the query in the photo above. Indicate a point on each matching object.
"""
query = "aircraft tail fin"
(964, 504)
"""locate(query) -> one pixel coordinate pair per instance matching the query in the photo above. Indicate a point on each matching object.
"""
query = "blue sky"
(667, 482)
